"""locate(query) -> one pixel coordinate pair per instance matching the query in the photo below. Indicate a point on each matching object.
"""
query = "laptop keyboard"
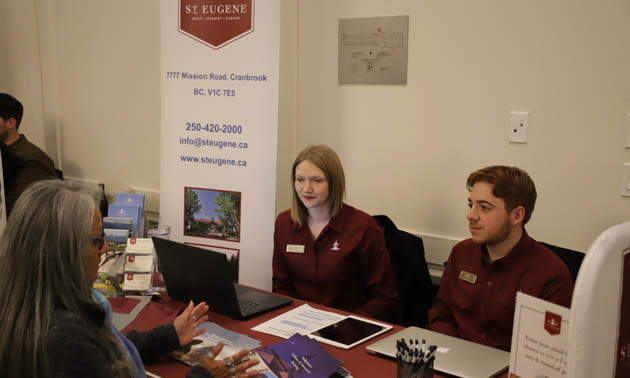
(249, 306)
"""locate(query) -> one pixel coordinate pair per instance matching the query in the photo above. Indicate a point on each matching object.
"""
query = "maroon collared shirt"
(483, 311)
(347, 267)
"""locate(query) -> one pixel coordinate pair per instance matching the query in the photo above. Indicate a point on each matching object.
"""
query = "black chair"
(415, 291)
(59, 173)
(572, 259)
(104, 204)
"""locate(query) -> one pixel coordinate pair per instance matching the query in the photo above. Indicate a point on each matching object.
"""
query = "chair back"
(415, 291)
(104, 204)
(572, 259)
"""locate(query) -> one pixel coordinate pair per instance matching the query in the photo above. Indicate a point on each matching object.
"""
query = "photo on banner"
(212, 214)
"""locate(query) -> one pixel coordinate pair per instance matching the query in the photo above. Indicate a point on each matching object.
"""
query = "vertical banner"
(220, 65)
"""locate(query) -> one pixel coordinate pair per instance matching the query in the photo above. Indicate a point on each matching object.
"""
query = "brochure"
(131, 199)
(140, 245)
(110, 275)
(137, 281)
(298, 357)
(117, 223)
(303, 319)
(233, 342)
(116, 239)
(138, 263)
(127, 211)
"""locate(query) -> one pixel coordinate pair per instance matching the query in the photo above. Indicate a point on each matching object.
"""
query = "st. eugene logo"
(553, 323)
(216, 22)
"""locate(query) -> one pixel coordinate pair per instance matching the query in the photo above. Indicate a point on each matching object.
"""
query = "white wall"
(287, 106)
(407, 150)
(108, 63)
(91, 68)
(20, 73)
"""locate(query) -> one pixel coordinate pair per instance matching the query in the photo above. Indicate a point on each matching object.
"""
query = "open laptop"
(203, 275)
(463, 359)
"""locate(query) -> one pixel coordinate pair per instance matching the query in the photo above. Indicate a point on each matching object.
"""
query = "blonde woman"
(325, 250)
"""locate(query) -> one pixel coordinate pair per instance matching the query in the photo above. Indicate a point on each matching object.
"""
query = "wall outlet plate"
(625, 181)
(518, 127)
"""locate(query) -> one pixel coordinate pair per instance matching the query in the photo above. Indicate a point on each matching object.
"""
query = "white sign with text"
(540, 338)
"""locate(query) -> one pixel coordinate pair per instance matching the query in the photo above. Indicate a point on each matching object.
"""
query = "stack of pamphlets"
(298, 356)
(139, 265)
(193, 352)
(110, 277)
(116, 239)
(130, 269)
(131, 199)
(117, 231)
(129, 206)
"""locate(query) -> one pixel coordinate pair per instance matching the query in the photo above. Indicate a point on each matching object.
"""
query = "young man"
(23, 162)
(478, 290)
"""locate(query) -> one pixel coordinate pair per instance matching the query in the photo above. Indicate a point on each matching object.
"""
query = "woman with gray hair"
(53, 323)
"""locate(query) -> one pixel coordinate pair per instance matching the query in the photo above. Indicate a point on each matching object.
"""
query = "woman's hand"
(230, 367)
(188, 320)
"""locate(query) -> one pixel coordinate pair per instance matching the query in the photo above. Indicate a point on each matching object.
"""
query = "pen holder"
(414, 370)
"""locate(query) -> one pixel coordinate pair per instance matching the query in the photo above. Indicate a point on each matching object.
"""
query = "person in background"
(8, 169)
(477, 294)
(326, 251)
(28, 162)
(54, 324)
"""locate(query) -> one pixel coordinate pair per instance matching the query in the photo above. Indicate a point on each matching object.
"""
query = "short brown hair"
(327, 160)
(513, 185)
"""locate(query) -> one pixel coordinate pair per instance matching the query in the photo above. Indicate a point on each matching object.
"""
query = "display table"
(356, 360)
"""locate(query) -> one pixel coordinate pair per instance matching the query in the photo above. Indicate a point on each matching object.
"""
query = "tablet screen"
(349, 331)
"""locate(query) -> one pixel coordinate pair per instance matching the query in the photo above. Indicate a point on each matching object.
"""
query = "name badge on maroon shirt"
(295, 248)
(467, 276)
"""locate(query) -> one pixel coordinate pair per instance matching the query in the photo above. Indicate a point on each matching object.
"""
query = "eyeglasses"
(99, 241)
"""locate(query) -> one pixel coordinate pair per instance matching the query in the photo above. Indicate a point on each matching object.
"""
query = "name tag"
(467, 276)
(295, 248)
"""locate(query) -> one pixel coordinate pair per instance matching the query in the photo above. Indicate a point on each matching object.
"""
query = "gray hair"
(42, 269)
